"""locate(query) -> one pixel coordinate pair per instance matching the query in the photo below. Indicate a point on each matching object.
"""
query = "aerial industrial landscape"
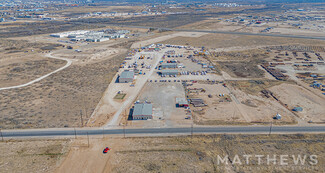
(163, 86)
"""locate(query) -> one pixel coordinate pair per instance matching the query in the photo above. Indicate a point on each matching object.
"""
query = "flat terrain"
(235, 105)
(21, 68)
(236, 41)
(66, 98)
(295, 96)
(197, 154)
(32, 155)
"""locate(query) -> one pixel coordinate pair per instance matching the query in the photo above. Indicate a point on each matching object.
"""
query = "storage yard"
(165, 65)
(175, 86)
(167, 76)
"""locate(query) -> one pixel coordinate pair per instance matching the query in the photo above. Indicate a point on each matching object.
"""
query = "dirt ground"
(228, 40)
(196, 154)
(163, 97)
(167, 37)
(32, 155)
(20, 68)
(294, 96)
(61, 99)
(243, 107)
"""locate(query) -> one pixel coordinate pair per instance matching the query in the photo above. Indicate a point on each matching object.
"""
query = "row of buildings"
(91, 36)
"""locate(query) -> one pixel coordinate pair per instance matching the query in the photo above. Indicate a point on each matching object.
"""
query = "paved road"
(163, 131)
(139, 85)
(42, 77)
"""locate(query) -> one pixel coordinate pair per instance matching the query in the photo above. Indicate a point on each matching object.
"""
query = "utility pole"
(124, 130)
(85, 106)
(270, 128)
(75, 133)
(103, 132)
(82, 121)
(192, 130)
(1, 136)
(126, 118)
(88, 139)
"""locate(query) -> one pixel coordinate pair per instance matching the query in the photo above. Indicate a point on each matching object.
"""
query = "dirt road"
(69, 62)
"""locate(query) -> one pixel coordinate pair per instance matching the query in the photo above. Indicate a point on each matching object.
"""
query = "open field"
(32, 155)
(195, 154)
(12, 46)
(227, 40)
(19, 69)
(66, 98)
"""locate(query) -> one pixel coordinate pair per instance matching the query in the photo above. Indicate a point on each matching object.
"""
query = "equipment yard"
(175, 86)
(163, 74)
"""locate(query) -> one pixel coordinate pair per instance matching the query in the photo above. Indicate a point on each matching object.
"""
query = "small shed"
(277, 116)
(297, 109)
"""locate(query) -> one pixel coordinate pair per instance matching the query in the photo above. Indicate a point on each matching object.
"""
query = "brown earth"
(32, 155)
(196, 154)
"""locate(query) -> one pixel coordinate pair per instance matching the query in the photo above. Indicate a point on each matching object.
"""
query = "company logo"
(281, 160)
(296, 162)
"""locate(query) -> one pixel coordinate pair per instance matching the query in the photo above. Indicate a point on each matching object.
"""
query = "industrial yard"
(145, 71)
(159, 76)
(170, 86)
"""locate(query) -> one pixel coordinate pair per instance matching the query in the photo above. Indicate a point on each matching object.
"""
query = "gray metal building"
(169, 72)
(181, 102)
(126, 76)
(168, 65)
(142, 111)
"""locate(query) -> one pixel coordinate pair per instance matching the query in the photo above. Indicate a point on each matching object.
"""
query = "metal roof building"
(126, 76)
(168, 65)
(169, 72)
(181, 102)
(142, 111)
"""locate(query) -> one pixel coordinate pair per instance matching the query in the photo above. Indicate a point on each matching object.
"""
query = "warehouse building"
(142, 111)
(126, 77)
(168, 65)
(181, 102)
(169, 72)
